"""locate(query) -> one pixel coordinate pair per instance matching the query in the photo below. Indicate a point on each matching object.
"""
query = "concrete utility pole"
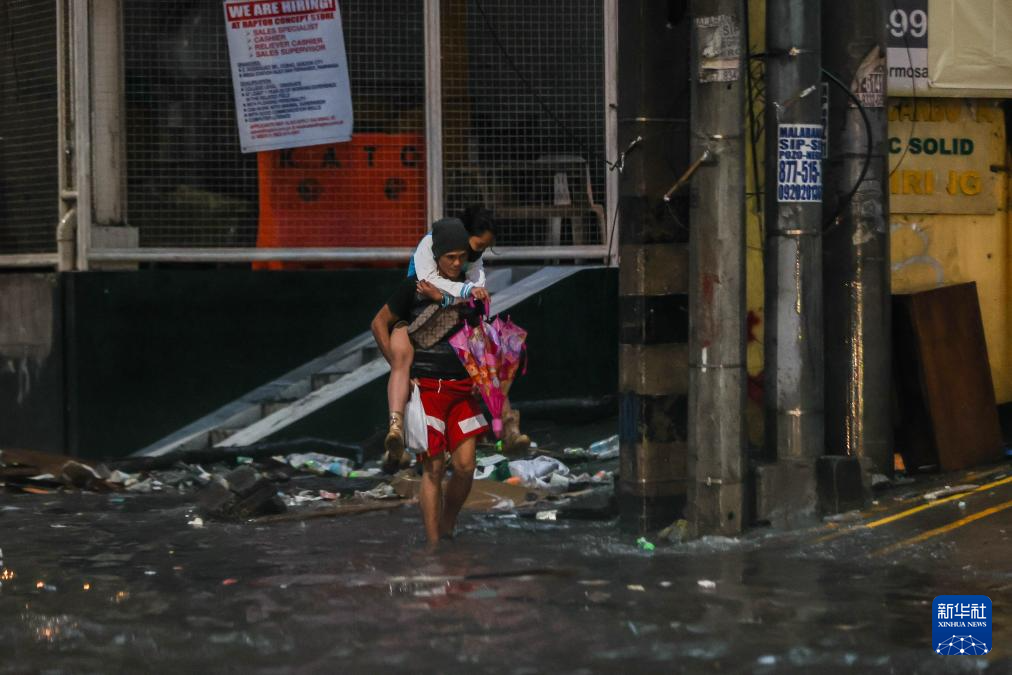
(653, 274)
(717, 307)
(856, 247)
(793, 260)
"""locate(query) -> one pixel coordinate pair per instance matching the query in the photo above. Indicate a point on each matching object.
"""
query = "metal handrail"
(239, 255)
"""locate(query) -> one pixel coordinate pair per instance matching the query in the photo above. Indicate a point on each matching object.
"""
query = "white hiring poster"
(290, 73)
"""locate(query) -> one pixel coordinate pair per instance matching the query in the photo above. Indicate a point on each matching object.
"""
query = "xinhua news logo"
(961, 625)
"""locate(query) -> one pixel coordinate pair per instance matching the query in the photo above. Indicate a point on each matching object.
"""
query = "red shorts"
(452, 412)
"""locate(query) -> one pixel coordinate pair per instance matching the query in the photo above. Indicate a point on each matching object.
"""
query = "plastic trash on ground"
(493, 467)
(538, 472)
(600, 478)
(676, 532)
(605, 449)
(314, 462)
(302, 497)
(948, 490)
(382, 491)
(366, 473)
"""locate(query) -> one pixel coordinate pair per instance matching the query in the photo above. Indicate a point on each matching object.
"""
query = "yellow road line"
(909, 512)
(973, 475)
(936, 502)
(923, 536)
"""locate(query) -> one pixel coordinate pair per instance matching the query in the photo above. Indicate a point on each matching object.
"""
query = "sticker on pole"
(289, 72)
(869, 84)
(719, 39)
(799, 163)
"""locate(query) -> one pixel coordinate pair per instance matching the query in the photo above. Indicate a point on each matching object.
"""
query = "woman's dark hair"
(478, 220)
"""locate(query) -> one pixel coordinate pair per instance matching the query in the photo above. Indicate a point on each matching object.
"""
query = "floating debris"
(948, 490)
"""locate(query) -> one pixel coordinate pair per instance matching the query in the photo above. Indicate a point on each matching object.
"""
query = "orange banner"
(369, 192)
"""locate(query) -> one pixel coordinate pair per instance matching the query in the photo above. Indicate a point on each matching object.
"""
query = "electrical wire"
(845, 203)
(535, 95)
(611, 234)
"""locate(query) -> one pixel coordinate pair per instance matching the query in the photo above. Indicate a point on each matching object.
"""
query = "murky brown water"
(100, 587)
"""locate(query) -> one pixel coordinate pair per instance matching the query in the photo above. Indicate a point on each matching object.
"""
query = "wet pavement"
(98, 583)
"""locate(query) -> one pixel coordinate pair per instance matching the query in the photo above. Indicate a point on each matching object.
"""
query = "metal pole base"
(641, 515)
(785, 493)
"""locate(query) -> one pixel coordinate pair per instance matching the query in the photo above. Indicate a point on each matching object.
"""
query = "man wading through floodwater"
(454, 416)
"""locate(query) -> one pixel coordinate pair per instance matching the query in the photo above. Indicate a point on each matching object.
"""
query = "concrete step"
(216, 436)
(271, 407)
(323, 379)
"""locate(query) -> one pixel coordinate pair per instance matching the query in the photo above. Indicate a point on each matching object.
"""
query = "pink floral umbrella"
(491, 354)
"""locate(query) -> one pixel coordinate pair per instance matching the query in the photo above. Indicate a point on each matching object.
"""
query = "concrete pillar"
(794, 374)
(856, 241)
(717, 374)
(653, 281)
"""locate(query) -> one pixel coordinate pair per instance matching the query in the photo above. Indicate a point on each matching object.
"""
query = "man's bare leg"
(459, 486)
(430, 496)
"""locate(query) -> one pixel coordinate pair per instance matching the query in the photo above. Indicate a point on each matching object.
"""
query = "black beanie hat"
(449, 234)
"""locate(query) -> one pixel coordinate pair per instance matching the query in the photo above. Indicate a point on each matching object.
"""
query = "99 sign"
(908, 23)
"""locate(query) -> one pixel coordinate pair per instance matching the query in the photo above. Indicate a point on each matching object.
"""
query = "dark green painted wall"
(152, 351)
(140, 354)
(572, 348)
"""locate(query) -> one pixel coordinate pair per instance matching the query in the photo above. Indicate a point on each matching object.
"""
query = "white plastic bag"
(540, 472)
(416, 432)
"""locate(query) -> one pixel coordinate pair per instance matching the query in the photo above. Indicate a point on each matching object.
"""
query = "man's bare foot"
(446, 531)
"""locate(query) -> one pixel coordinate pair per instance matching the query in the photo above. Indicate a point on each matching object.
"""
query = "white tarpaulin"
(971, 46)
(290, 73)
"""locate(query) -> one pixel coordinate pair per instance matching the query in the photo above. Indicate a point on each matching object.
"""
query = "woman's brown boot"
(394, 444)
(514, 443)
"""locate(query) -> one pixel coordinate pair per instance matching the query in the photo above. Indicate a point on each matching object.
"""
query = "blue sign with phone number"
(799, 162)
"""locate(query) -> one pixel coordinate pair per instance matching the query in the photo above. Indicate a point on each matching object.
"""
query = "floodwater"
(99, 584)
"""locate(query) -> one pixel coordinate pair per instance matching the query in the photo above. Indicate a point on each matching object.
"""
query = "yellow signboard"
(940, 157)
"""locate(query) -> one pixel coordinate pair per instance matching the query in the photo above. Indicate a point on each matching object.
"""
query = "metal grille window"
(189, 184)
(523, 106)
(29, 193)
